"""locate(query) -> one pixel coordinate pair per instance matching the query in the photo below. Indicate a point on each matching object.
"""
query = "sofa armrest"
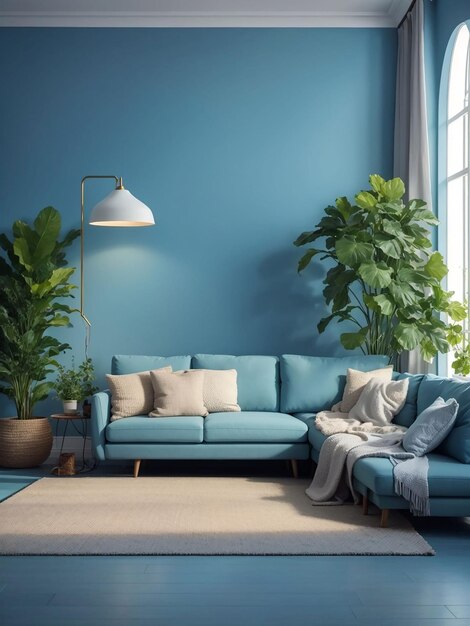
(100, 413)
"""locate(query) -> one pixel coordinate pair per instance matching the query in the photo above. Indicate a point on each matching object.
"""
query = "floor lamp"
(119, 208)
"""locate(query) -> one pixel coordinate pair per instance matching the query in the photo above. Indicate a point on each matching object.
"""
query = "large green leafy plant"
(384, 278)
(34, 280)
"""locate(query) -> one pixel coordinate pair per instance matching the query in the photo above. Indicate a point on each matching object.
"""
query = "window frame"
(463, 175)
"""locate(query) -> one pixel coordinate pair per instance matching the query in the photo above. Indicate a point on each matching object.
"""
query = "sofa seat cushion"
(254, 427)
(315, 437)
(447, 477)
(144, 429)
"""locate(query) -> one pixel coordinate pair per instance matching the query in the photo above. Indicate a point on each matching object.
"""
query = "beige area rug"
(191, 515)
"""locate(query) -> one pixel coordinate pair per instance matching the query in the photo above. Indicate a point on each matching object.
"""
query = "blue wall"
(237, 139)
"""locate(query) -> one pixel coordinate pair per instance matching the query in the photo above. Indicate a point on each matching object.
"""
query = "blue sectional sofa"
(279, 399)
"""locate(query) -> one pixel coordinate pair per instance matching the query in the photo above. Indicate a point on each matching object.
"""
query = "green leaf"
(389, 245)
(377, 183)
(376, 275)
(425, 215)
(41, 391)
(403, 294)
(366, 200)
(47, 225)
(307, 257)
(356, 219)
(323, 323)
(59, 276)
(428, 351)
(344, 207)
(5, 243)
(441, 297)
(351, 341)
(407, 275)
(457, 311)
(22, 251)
(59, 320)
(461, 365)
(370, 302)
(340, 300)
(340, 315)
(337, 280)
(307, 237)
(435, 266)
(408, 335)
(392, 228)
(329, 224)
(351, 252)
(416, 203)
(454, 334)
(436, 334)
(394, 189)
(385, 303)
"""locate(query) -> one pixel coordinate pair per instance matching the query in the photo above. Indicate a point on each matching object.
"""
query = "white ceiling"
(203, 13)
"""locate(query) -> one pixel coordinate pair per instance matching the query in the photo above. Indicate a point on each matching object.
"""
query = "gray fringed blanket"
(339, 453)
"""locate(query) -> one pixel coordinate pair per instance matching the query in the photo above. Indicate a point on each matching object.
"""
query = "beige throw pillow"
(131, 394)
(355, 383)
(178, 393)
(220, 391)
(380, 401)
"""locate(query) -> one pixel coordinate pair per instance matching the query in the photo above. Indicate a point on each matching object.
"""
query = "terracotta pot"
(24, 443)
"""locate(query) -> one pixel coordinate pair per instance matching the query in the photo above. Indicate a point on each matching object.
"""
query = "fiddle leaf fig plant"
(384, 277)
(34, 280)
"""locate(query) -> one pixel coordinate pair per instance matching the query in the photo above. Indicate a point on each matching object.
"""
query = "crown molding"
(398, 10)
(345, 18)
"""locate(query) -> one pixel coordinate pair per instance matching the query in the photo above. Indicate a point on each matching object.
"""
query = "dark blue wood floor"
(233, 591)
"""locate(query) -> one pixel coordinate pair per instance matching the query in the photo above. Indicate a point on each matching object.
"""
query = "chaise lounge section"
(279, 399)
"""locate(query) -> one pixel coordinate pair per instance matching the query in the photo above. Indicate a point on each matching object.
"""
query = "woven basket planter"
(24, 443)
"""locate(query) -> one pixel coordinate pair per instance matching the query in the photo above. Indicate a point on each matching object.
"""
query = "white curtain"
(411, 155)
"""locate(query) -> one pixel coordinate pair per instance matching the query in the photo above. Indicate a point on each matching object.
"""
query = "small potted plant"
(73, 386)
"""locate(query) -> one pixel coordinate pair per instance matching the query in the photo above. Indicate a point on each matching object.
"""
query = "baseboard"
(71, 444)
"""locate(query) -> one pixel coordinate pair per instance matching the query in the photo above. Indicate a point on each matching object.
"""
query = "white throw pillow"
(355, 383)
(178, 393)
(220, 391)
(131, 394)
(380, 401)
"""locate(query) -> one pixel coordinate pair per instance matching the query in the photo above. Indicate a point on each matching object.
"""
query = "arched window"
(457, 174)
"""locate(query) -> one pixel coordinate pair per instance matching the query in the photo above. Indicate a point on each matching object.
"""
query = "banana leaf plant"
(384, 277)
(34, 280)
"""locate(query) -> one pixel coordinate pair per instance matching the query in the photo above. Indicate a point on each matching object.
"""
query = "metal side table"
(71, 419)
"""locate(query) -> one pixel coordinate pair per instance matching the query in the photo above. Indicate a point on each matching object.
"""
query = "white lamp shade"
(121, 208)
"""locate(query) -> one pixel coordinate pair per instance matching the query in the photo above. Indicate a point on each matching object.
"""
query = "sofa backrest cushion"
(315, 383)
(457, 443)
(257, 378)
(409, 412)
(131, 363)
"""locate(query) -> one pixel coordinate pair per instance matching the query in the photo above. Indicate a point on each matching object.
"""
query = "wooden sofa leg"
(384, 518)
(136, 467)
(365, 505)
(295, 469)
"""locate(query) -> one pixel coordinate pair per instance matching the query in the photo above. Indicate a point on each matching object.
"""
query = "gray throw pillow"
(431, 427)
